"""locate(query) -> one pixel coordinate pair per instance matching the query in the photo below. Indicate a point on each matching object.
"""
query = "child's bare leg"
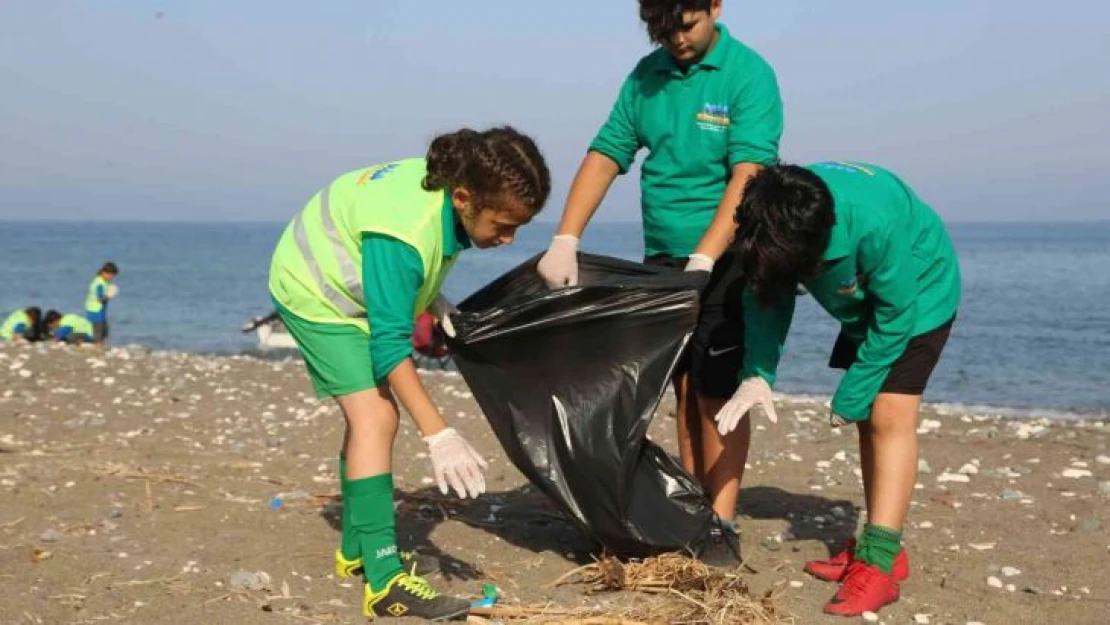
(688, 421)
(724, 456)
(893, 443)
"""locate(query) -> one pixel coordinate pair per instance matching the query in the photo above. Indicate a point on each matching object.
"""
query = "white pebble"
(23, 373)
(1103, 460)
(953, 477)
(1010, 571)
(1075, 474)
(426, 480)
(969, 469)
(841, 456)
(871, 617)
(108, 381)
(1011, 588)
(925, 525)
(796, 584)
(994, 582)
(921, 619)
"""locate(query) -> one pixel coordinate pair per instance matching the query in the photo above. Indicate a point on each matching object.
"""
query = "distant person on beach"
(349, 276)
(72, 329)
(708, 110)
(880, 261)
(101, 291)
(21, 325)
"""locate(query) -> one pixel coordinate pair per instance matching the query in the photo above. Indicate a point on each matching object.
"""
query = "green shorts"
(337, 355)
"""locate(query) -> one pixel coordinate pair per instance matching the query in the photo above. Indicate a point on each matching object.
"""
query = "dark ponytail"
(498, 161)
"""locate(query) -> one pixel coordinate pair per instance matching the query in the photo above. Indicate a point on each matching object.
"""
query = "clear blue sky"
(210, 109)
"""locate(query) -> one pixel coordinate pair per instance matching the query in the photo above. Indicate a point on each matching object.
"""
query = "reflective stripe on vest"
(345, 305)
(342, 256)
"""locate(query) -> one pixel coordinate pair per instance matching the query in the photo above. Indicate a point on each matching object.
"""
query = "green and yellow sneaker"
(346, 569)
(410, 595)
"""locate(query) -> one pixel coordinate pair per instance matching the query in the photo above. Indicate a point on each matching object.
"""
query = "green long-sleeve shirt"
(392, 275)
(890, 273)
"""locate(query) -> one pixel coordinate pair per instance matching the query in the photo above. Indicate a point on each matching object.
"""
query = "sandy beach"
(151, 487)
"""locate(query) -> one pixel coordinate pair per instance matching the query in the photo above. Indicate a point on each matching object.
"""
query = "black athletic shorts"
(910, 373)
(715, 355)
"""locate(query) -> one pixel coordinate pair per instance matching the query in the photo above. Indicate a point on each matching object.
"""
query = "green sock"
(878, 546)
(348, 542)
(372, 526)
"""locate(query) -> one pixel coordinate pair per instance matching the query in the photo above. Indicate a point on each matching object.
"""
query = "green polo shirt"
(890, 274)
(392, 277)
(696, 125)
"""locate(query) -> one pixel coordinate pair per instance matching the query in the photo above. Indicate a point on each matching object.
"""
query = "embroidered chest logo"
(713, 117)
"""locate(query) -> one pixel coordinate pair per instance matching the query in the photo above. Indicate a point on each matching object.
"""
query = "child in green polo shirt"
(349, 276)
(880, 261)
(707, 109)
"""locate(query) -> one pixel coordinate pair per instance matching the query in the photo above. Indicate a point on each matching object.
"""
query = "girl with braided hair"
(349, 275)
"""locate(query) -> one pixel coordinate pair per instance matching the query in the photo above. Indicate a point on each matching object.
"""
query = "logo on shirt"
(848, 288)
(375, 173)
(713, 117)
(852, 168)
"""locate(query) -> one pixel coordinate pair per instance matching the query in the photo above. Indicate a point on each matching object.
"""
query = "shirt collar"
(455, 238)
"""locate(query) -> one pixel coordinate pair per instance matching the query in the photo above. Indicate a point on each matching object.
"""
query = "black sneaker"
(722, 549)
(411, 595)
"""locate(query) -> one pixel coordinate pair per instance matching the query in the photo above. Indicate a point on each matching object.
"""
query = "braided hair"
(498, 161)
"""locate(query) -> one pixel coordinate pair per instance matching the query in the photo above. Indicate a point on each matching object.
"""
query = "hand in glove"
(456, 462)
(754, 392)
(442, 308)
(699, 262)
(111, 291)
(559, 266)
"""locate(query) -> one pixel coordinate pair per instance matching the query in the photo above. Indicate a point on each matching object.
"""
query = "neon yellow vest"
(316, 270)
(79, 324)
(7, 330)
(92, 302)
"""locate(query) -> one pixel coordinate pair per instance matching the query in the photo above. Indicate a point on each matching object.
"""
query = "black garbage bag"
(569, 380)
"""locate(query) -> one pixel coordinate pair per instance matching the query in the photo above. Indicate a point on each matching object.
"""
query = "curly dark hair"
(784, 223)
(663, 18)
(492, 162)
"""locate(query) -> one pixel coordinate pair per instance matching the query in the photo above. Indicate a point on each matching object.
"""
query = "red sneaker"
(865, 589)
(835, 568)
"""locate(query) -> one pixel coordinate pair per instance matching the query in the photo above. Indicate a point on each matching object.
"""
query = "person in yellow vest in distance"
(349, 275)
(21, 325)
(72, 329)
(102, 289)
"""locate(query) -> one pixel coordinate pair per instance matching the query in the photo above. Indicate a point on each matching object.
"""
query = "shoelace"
(417, 585)
(859, 576)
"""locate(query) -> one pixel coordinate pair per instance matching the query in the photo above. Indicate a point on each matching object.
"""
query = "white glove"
(699, 262)
(753, 393)
(111, 291)
(442, 308)
(455, 461)
(559, 266)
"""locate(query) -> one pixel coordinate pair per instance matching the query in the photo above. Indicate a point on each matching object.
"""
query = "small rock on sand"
(994, 582)
(1010, 571)
(953, 477)
(921, 619)
(1075, 474)
(50, 536)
